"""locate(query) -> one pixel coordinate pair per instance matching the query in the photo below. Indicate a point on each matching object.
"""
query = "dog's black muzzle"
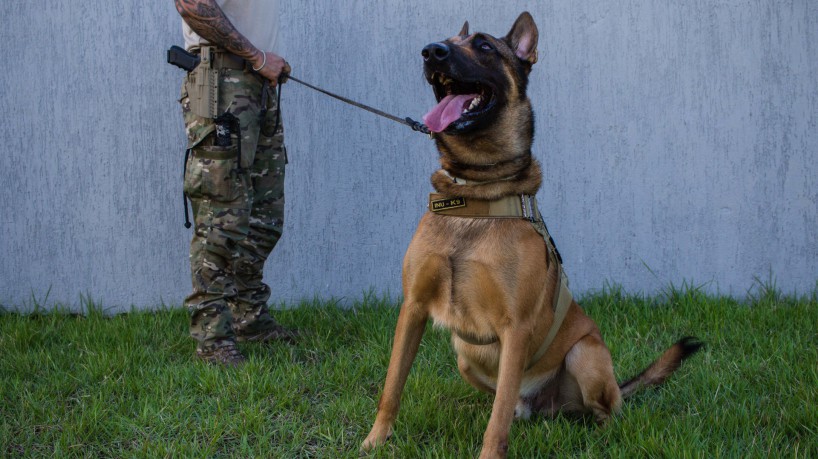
(435, 52)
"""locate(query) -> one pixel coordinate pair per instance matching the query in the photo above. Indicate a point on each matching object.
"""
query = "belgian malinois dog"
(491, 279)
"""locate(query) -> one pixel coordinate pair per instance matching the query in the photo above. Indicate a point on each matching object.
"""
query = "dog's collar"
(515, 206)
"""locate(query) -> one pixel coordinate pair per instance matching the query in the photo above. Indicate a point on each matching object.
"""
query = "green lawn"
(94, 385)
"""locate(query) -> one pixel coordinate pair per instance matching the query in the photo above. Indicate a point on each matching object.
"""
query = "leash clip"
(418, 126)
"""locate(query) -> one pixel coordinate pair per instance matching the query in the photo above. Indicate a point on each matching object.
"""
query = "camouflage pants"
(238, 212)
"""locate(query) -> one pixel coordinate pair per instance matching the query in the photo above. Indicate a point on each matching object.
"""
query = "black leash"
(415, 125)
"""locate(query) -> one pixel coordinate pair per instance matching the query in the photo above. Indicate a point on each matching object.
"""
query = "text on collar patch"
(449, 203)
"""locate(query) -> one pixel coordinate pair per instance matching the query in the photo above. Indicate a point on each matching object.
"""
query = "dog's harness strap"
(562, 302)
(517, 206)
(562, 296)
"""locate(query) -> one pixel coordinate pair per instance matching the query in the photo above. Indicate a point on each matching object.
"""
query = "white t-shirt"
(257, 20)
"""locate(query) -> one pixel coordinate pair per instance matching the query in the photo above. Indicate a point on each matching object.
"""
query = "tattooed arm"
(209, 21)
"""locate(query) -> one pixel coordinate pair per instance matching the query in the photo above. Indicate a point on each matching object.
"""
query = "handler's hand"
(275, 67)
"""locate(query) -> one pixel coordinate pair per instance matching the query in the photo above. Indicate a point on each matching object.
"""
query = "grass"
(95, 385)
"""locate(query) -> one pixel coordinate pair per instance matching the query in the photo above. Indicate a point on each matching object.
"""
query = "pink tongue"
(446, 112)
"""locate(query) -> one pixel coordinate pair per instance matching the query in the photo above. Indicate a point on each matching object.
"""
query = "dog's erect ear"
(523, 38)
(465, 30)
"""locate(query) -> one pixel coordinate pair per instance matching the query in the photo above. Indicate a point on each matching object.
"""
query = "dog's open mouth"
(457, 100)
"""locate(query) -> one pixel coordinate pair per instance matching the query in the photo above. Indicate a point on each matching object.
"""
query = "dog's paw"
(522, 410)
(375, 439)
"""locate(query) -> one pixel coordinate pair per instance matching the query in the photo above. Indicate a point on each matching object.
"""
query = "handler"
(234, 171)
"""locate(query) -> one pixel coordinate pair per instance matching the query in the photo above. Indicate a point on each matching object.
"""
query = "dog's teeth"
(475, 102)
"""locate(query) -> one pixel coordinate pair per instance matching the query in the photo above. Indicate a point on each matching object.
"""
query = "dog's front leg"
(408, 332)
(513, 348)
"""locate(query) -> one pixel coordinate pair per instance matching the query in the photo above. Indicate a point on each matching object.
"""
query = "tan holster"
(203, 85)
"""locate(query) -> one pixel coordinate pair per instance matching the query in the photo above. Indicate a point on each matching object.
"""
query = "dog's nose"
(435, 51)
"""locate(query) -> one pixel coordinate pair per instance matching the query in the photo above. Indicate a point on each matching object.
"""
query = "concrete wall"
(678, 140)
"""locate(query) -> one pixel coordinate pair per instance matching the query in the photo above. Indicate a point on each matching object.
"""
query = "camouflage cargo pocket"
(210, 173)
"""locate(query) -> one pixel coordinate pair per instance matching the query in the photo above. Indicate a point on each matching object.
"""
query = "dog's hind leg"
(408, 333)
(589, 366)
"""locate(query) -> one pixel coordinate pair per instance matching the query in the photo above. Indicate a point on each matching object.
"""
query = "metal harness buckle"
(529, 207)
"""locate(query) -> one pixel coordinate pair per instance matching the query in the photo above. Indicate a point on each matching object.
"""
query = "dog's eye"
(482, 43)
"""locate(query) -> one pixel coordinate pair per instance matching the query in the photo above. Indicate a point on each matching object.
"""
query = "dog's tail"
(663, 367)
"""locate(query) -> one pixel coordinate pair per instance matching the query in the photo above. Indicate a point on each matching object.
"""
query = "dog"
(494, 279)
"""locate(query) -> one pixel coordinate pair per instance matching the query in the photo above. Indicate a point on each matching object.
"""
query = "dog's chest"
(458, 267)
(465, 321)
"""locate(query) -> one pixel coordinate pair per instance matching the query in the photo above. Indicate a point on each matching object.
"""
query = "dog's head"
(478, 79)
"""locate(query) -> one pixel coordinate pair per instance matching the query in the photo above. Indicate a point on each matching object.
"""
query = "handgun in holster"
(181, 58)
